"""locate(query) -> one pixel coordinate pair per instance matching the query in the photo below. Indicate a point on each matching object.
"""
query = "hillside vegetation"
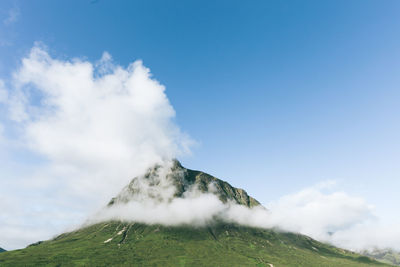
(123, 244)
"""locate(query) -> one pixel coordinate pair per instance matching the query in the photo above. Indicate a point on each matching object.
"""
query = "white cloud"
(317, 213)
(369, 235)
(84, 131)
(116, 123)
(326, 215)
(195, 210)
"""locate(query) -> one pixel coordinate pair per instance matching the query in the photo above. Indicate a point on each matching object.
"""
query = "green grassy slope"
(123, 244)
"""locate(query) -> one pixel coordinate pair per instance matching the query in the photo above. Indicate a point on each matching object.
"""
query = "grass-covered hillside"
(122, 244)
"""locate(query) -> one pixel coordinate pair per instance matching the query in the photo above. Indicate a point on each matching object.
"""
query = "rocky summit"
(157, 181)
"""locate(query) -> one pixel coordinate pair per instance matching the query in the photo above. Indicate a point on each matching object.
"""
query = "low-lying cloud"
(326, 215)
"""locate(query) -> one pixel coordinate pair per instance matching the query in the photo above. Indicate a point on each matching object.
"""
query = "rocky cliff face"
(163, 183)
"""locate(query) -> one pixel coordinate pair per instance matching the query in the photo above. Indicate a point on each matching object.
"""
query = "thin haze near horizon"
(296, 102)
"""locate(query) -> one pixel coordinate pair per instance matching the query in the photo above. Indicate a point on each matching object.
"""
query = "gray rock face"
(173, 180)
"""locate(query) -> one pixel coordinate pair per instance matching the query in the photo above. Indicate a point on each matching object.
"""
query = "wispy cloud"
(12, 16)
(3, 92)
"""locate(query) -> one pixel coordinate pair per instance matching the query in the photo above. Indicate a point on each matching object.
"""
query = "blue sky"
(279, 95)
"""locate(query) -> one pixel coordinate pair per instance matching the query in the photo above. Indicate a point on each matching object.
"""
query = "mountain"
(217, 243)
(182, 180)
(384, 255)
(2, 250)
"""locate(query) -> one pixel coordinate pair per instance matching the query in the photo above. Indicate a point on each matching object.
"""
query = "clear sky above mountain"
(278, 95)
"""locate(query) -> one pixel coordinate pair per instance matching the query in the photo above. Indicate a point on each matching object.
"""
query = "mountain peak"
(163, 182)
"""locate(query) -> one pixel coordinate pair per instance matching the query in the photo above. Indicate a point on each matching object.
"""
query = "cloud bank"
(76, 132)
(329, 216)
